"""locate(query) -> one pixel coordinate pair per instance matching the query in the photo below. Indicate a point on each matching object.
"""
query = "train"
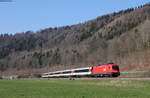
(104, 70)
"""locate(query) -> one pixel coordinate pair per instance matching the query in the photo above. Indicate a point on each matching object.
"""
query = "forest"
(121, 37)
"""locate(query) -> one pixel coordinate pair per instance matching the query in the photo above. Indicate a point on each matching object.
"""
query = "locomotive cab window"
(115, 67)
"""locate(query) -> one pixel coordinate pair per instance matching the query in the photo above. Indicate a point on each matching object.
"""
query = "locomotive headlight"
(104, 69)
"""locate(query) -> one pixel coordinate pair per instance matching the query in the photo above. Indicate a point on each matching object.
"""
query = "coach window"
(84, 70)
(66, 72)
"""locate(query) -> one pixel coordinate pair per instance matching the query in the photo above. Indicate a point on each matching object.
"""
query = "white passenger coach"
(70, 72)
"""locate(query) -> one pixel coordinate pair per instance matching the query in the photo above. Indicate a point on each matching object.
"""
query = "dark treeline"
(111, 37)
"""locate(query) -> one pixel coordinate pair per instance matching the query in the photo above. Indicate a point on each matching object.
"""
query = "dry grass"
(116, 83)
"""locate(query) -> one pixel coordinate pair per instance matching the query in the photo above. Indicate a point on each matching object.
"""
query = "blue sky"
(23, 15)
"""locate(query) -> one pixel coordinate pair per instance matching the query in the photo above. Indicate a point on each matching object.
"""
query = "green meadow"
(65, 88)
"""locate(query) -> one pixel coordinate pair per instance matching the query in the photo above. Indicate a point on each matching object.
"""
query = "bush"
(35, 75)
(1, 77)
(147, 74)
(23, 76)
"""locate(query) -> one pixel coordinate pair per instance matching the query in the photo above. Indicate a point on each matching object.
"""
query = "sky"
(24, 15)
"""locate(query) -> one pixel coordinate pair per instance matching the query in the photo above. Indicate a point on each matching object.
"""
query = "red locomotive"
(107, 70)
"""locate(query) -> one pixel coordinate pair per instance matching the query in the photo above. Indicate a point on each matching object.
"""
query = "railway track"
(114, 78)
(142, 78)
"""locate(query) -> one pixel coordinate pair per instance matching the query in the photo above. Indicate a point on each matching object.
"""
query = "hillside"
(122, 38)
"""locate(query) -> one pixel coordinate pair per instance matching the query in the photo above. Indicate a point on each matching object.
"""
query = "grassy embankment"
(132, 75)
